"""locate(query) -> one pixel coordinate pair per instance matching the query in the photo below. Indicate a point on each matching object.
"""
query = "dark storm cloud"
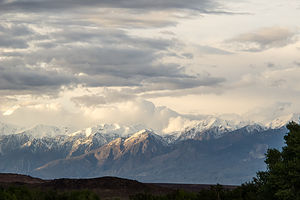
(46, 5)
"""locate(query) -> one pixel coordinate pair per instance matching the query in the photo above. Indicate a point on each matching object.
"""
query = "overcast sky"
(79, 63)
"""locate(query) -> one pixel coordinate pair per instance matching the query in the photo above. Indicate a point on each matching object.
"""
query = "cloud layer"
(265, 38)
(127, 61)
(70, 55)
(44, 5)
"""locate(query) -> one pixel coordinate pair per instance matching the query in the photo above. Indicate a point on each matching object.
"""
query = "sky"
(160, 63)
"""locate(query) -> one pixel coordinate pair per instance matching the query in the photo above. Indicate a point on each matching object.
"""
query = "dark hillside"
(104, 187)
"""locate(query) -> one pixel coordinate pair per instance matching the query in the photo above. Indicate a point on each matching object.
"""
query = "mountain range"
(210, 151)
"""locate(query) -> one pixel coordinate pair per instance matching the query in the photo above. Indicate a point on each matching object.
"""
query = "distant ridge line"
(102, 182)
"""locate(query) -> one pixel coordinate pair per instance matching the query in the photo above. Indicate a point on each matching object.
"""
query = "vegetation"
(241, 193)
(24, 193)
(282, 179)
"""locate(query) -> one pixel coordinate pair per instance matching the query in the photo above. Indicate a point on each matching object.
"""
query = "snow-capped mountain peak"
(8, 129)
(142, 136)
(40, 131)
(107, 130)
(211, 127)
(283, 120)
(255, 127)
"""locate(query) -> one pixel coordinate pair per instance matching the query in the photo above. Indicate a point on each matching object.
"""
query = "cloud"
(130, 20)
(26, 80)
(133, 112)
(93, 57)
(264, 38)
(107, 36)
(213, 50)
(109, 96)
(50, 114)
(14, 36)
(88, 44)
(136, 112)
(11, 110)
(92, 110)
(178, 124)
(125, 14)
(151, 88)
(7, 103)
(44, 5)
(287, 78)
(270, 112)
(281, 80)
(169, 83)
(297, 63)
(270, 64)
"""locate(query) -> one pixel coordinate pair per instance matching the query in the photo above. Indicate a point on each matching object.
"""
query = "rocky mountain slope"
(212, 151)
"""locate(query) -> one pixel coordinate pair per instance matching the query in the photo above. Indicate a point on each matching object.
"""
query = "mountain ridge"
(191, 157)
(113, 131)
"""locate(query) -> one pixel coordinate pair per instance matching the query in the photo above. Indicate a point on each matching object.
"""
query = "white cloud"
(11, 110)
(132, 112)
(179, 123)
(264, 38)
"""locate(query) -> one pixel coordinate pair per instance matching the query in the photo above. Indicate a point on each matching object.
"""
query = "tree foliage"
(281, 181)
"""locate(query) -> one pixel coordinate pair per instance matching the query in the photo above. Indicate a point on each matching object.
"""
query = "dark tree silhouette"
(281, 181)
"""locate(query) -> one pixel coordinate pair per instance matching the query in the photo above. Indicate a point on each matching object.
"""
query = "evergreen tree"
(281, 181)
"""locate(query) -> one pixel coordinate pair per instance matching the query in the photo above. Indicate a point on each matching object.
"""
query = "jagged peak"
(107, 129)
(143, 135)
(283, 120)
(255, 126)
(215, 122)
